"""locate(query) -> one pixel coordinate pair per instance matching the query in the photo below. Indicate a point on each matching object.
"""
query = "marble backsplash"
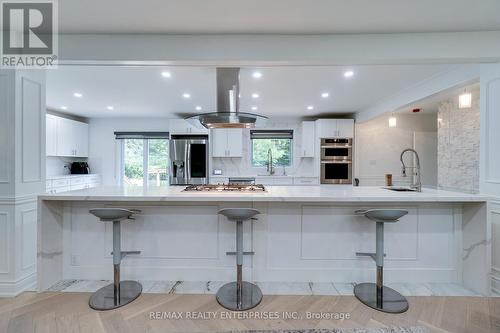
(242, 166)
(458, 145)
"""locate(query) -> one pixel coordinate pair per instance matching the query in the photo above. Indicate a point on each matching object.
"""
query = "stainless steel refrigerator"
(188, 159)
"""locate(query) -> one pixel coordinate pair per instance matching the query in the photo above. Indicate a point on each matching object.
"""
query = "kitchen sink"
(400, 188)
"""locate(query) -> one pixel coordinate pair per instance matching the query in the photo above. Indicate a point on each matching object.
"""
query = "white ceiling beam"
(460, 75)
(368, 49)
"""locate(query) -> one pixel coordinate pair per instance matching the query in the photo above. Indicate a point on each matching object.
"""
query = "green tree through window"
(280, 148)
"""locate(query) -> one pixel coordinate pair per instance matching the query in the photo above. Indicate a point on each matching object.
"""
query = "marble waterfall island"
(304, 233)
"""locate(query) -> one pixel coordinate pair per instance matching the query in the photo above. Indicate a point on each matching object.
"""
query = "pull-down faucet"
(417, 184)
(270, 167)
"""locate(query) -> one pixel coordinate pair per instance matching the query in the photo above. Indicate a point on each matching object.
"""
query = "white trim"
(19, 200)
(14, 288)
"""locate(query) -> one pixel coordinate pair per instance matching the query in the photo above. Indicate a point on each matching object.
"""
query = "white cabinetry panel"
(335, 128)
(51, 135)
(181, 126)
(31, 130)
(308, 139)
(72, 138)
(227, 142)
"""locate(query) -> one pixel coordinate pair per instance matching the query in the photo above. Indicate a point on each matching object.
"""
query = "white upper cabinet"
(181, 126)
(51, 135)
(345, 128)
(308, 139)
(335, 128)
(227, 142)
(71, 137)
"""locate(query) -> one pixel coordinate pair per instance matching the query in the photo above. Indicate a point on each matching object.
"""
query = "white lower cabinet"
(305, 181)
(72, 183)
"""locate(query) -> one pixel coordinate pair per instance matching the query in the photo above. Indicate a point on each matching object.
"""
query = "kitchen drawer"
(60, 182)
(283, 181)
(48, 184)
(78, 187)
(92, 179)
(59, 189)
(77, 181)
(306, 181)
(91, 185)
(219, 180)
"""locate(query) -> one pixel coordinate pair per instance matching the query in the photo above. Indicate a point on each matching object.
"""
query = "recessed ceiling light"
(64, 107)
(325, 95)
(77, 94)
(257, 75)
(166, 74)
(198, 108)
(348, 74)
(310, 107)
(255, 95)
(254, 108)
(186, 95)
(110, 107)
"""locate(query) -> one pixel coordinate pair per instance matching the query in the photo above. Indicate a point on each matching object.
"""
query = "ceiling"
(283, 91)
(431, 104)
(277, 16)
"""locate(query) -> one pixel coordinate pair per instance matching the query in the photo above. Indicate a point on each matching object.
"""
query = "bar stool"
(118, 293)
(239, 295)
(376, 295)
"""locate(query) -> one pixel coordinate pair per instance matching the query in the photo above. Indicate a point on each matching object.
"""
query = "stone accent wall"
(458, 145)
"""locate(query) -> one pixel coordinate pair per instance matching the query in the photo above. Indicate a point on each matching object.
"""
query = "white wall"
(378, 148)
(103, 148)
(243, 166)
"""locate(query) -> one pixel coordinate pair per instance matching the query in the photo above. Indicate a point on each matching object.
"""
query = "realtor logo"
(29, 36)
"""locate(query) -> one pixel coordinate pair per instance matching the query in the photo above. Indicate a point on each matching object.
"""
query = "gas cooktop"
(226, 188)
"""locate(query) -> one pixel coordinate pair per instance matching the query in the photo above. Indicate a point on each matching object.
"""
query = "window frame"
(145, 160)
(288, 131)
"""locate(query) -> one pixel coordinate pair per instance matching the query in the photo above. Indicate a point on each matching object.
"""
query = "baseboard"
(14, 288)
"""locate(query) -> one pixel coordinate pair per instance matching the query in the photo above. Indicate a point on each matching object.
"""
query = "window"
(144, 158)
(280, 144)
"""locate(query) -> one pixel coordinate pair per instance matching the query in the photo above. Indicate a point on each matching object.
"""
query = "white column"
(22, 175)
(490, 159)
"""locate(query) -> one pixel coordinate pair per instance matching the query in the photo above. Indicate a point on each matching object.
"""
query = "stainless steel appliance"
(336, 149)
(228, 113)
(242, 180)
(336, 160)
(226, 188)
(189, 159)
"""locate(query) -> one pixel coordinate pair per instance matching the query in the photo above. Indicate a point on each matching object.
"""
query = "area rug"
(415, 329)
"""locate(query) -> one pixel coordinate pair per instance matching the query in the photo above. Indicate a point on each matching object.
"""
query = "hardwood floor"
(54, 312)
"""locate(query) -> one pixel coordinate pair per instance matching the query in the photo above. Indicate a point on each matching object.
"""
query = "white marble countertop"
(319, 193)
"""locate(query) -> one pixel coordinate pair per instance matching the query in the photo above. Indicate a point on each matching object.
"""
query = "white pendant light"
(465, 100)
(393, 121)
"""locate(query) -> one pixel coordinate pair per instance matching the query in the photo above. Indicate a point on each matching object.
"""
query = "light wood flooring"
(55, 312)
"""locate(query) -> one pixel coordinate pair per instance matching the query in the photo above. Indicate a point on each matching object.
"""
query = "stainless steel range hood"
(228, 114)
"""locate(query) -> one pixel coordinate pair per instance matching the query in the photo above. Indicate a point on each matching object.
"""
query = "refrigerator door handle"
(187, 176)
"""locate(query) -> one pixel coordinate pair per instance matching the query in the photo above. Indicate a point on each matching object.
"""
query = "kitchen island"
(304, 233)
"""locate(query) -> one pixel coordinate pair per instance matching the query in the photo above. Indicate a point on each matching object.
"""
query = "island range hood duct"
(228, 114)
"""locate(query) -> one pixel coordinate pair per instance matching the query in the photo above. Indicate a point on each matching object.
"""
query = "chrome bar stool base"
(250, 296)
(392, 301)
(103, 299)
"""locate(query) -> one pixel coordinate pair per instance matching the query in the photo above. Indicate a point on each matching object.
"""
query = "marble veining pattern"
(269, 288)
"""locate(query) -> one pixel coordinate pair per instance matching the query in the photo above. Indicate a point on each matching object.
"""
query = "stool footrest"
(126, 253)
(232, 253)
(367, 254)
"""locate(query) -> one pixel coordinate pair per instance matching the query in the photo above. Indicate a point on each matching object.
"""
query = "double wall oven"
(336, 160)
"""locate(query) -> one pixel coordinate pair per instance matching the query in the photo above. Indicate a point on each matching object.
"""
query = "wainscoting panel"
(31, 131)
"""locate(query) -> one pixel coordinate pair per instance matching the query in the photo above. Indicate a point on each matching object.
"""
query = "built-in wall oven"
(336, 160)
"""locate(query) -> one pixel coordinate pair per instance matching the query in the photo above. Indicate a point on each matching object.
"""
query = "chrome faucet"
(270, 167)
(417, 183)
